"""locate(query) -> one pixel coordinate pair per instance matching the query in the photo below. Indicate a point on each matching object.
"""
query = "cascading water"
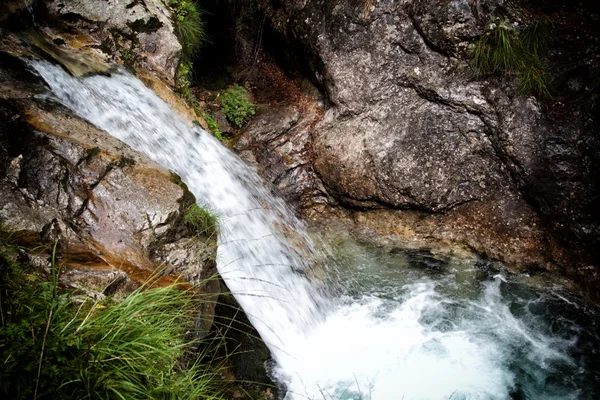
(404, 332)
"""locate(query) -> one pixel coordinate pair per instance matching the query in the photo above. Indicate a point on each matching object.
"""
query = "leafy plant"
(213, 126)
(504, 50)
(236, 106)
(200, 220)
(184, 79)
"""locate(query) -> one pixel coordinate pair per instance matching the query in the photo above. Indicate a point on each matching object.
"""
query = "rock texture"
(410, 129)
(118, 218)
(138, 33)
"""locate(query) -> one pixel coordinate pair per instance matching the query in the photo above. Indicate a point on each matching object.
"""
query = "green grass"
(236, 107)
(538, 35)
(201, 221)
(502, 49)
(189, 26)
(54, 347)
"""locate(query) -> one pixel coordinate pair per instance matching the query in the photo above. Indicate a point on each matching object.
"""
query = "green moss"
(236, 107)
(502, 49)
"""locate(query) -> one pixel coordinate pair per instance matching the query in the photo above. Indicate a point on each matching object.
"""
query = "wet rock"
(116, 216)
(278, 142)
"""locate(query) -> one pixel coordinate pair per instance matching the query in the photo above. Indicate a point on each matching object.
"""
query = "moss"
(126, 162)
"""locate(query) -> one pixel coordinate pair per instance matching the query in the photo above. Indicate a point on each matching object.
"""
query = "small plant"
(184, 78)
(538, 35)
(213, 126)
(189, 25)
(236, 107)
(504, 50)
(200, 221)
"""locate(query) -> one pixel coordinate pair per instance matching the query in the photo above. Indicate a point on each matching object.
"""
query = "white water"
(414, 344)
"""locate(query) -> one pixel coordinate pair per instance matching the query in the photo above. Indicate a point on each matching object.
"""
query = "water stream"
(405, 325)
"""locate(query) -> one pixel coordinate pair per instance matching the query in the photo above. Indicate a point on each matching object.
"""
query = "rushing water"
(406, 325)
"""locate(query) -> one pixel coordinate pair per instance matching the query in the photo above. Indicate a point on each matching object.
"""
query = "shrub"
(236, 106)
(200, 220)
(504, 50)
(135, 349)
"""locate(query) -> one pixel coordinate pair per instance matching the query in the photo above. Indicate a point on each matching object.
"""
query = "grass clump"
(189, 26)
(200, 220)
(505, 50)
(236, 107)
(140, 348)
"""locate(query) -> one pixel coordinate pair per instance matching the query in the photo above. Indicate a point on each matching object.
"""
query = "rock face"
(139, 33)
(117, 217)
(411, 131)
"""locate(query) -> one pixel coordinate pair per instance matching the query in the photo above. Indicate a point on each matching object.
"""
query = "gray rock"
(140, 31)
(411, 131)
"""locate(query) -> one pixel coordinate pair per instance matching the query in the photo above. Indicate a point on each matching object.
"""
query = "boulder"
(138, 32)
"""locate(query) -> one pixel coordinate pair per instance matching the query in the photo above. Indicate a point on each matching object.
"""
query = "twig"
(54, 284)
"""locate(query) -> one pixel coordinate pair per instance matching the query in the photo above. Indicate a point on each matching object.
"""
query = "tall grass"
(140, 348)
(201, 221)
(189, 25)
(502, 49)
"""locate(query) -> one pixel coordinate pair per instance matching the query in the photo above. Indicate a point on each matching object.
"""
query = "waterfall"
(413, 334)
(263, 249)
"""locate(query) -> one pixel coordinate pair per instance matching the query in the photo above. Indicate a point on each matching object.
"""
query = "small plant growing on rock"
(190, 26)
(200, 220)
(236, 107)
(502, 49)
(213, 126)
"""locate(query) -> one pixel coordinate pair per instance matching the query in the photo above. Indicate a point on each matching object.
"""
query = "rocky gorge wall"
(414, 143)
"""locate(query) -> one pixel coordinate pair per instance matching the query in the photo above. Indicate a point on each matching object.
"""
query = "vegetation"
(213, 126)
(184, 79)
(189, 25)
(505, 50)
(236, 106)
(53, 347)
(200, 220)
